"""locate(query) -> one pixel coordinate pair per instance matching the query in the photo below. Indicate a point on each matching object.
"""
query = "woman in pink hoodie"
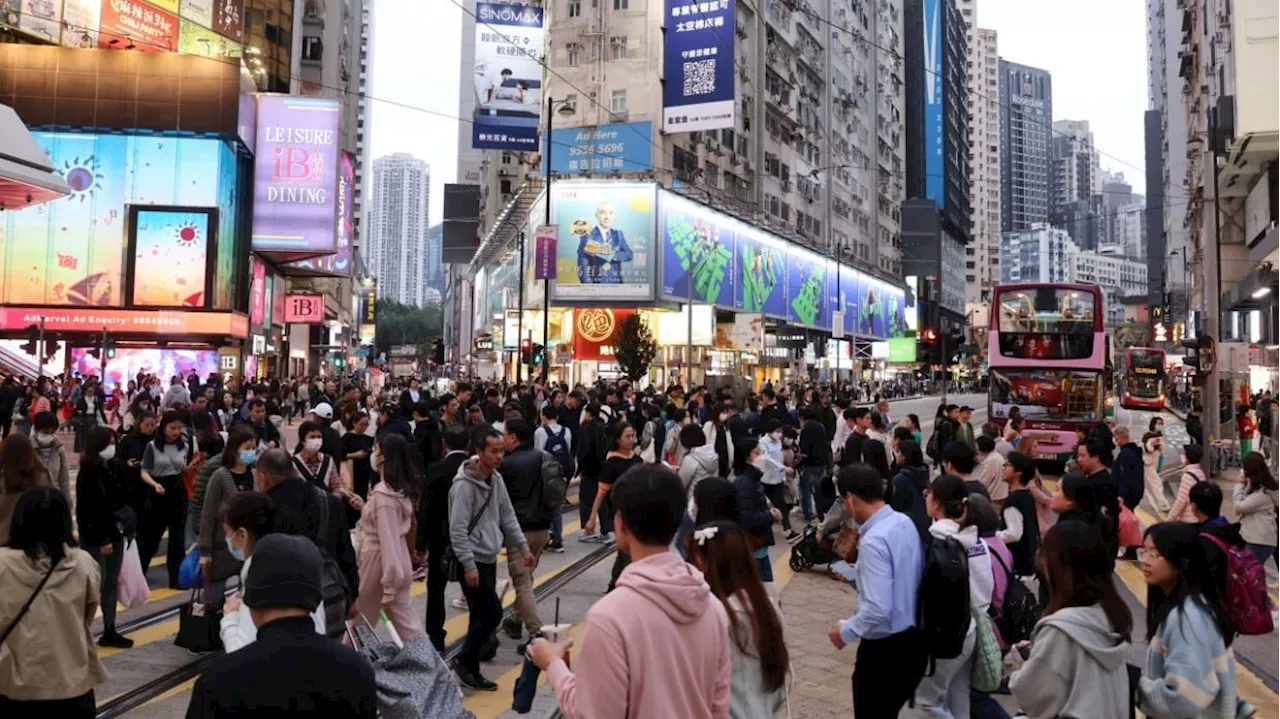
(1192, 474)
(386, 569)
(658, 645)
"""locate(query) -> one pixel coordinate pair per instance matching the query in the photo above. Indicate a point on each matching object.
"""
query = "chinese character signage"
(698, 252)
(508, 77)
(228, 18)
(296, 175)
(623, 147)
(932, 60)
(304, 309)
(146, 28)
(605, 241)
(544, 258)
(339, 263)
(698, 64)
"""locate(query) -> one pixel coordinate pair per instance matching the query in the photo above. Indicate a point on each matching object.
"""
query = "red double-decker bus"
(1048, 349)
(1142, 385)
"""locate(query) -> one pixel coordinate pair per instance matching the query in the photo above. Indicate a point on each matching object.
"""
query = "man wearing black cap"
(323, 677)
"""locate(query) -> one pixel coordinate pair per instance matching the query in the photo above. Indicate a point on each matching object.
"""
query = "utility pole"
(102, 352)
(546, 281)
(520, 307)
(41, 345)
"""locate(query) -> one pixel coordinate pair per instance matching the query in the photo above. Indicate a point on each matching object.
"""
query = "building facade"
(1026, 115)
(1077, 172)
(982, 255)
(396, 251)
(1166, 176)
(1048, 254)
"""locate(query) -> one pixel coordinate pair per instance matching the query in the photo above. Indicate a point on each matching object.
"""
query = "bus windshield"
(1146, 372)
(1050, 323)
(1051, 394)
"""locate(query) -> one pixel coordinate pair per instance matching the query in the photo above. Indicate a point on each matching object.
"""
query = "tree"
(633, 347)
(400, 324)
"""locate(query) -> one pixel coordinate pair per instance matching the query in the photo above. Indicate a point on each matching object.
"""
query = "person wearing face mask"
(51, 451)
(101, 497)
(757, 516)
(164, 460)
(776, 473)
(245, 519)
(386, 567)
(232, 476)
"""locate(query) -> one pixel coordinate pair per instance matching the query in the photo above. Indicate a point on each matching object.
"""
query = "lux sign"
(304, 309)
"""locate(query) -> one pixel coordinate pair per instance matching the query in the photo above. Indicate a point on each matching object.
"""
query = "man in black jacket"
(569, 416)
(589, 443)
(411, 397)
(525, 471)
(299, 511)
(323, 677)
(1127, 470)
(815, 447)
(772, 410)
(433, 526)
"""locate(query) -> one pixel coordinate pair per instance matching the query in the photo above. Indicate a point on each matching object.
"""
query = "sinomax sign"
(507, 82)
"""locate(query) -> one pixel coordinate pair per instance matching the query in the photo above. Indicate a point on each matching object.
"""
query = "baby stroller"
(811, 550)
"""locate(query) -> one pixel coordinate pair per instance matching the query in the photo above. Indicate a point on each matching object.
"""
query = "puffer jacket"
(697, 465)
(50, 653)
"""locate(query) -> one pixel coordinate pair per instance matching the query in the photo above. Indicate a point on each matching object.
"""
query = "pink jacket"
(1181, 510)
(384, 523)
(657, 647)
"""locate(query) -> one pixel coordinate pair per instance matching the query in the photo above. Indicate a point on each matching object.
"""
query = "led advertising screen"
(151, 323)
(257, 291)
(71, 251)
(196, 40)
(806, 296)
(172, 248)
(932, 61)
(339, 263)
(128, 362)
(508, 77)
(761, 284)
(697, 245)
(296, 175)
(605, 247)
(698, 66)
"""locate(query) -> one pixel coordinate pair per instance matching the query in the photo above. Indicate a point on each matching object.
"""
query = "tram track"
(122, 704)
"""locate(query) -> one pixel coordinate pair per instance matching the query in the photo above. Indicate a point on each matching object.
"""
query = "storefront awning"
(27, 176)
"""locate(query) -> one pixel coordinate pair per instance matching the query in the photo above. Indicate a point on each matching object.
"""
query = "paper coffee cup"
(556, 632)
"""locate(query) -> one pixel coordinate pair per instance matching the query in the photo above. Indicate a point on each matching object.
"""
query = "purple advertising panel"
(339, 263)
(247, 121)
(545, 253)
(296, 175)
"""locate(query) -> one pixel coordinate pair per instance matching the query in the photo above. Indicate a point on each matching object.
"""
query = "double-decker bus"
(1142, 384)
(1048, 351)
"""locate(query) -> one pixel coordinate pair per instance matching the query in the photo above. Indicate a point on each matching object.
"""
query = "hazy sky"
(1095, 50)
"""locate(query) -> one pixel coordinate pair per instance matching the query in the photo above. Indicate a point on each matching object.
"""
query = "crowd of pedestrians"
(965, 564)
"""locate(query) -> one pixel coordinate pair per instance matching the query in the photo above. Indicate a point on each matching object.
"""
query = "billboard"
(296, 175)
(80, 22)
(932, 49)
(761, 275)
(129, 361)
(698, 65)
(257, 291)
(605, 247)
(339, 263)
(171, 259)
(622, 147)
(807, 303)
(196, 40)
(228, 18)
(304, 309)
(159, 323)
(698, 252)
(508, 77)
(71, 251)
(132, 24)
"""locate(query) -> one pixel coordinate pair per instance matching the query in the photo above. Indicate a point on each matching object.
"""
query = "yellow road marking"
(489, 705)
(155, 595)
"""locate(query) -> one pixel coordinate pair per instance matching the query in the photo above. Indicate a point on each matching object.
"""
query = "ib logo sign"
(304, 309)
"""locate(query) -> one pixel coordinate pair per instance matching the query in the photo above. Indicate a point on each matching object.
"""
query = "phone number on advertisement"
(608, 148)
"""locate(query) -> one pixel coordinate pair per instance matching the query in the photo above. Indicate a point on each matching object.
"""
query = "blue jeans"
(983, 706)
(765, 567)
(809, 480)
(557, 528)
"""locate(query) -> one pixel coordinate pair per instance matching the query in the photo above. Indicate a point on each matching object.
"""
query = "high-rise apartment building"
(435, 248)
(396, 251)
(1026, 113)
(1165, 135)
(1077, 171)
(982, 254)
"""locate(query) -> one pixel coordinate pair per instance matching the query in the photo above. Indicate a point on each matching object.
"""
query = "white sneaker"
(459, 602)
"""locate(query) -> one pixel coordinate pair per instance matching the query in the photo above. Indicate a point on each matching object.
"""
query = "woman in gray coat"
(233, 476)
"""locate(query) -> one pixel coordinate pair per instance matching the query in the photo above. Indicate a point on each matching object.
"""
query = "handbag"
(30, 600)
(131, 586)
(199, 625)
(1130, 533)
(988, 662)
(448, 560)
(189, 570)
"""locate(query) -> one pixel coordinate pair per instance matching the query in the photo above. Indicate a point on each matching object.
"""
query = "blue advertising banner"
(933, 184)
(806, 298)
(697, 243)
(852, 304)
(698, 66)
(622, 147)
(761, 274)
(508, 77)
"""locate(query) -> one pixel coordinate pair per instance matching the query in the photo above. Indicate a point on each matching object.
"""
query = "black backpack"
(557, 447)
(333, 585)
(1019, 611)
(942, 605)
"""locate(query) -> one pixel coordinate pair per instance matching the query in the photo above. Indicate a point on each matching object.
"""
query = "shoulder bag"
(30, 600)
(448, 560)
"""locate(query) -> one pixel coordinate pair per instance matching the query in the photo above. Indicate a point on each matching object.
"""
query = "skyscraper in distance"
(1026, 131)
(396, 251)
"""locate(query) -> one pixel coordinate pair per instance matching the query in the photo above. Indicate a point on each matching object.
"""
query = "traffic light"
(109, 345)
(1200, 356)
(33, 339)
(536, 356)
(51, 348)
(930, 335)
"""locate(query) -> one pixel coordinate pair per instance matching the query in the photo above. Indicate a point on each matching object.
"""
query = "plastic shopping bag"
(132, 584)
(1130, 530)
(189, 574)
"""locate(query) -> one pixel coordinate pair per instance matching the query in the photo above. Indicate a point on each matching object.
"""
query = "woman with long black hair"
(164, 460)
(386, 567)
(1190, 670)
(101, 498)
(620, 438)
(1255, 502)
(754, 512)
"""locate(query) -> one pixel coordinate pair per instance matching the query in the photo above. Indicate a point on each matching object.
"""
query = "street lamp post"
(566, 109)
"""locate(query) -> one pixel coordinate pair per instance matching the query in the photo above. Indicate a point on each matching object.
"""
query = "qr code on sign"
(700, 77)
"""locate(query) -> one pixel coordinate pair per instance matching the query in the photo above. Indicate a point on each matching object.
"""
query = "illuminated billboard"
(605, 241)
(165, 323)
(508, 77)
(213, 28)
(129, 361)
(339, 263)
(296, 176)
(170, 259)
(71, 251)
